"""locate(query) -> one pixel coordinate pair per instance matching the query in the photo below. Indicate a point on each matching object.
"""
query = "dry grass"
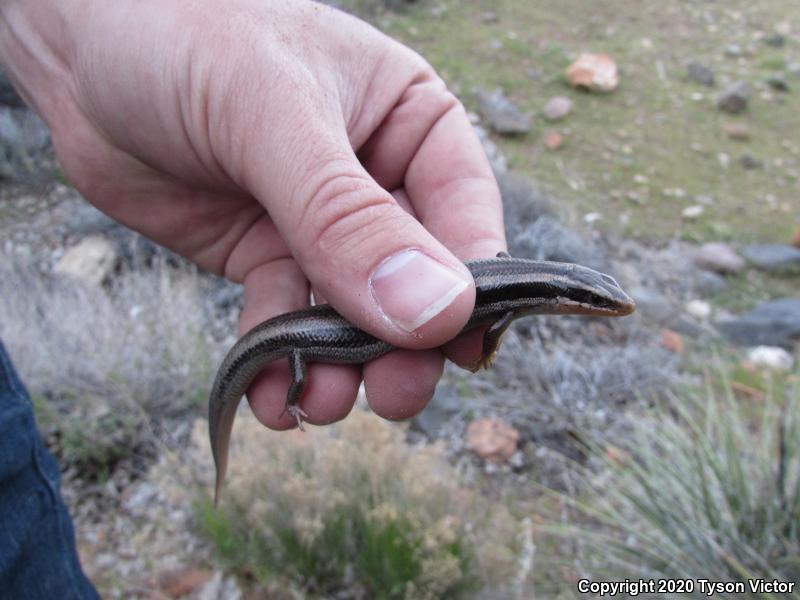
(107, 367)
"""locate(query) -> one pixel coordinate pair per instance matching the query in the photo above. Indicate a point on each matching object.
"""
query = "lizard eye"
(609, 279)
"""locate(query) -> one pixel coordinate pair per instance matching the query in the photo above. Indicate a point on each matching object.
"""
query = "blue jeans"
(38, 558)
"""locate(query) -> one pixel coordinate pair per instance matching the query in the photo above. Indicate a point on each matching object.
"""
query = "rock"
(750, 162)
(737, 131)
(594, 72)
(92, 260)
(179, 583)
(502, 115)
(796, 238)
(523, 203)
(672, 341)
(733, 51)
(25, 152)
(652, 305)
(492, 439)
(735, 97)
(773, 257)
(547, 239)
(699, 309)
(776, 40)
(692, 212)
(687, 326)
(489, 17)
(778, 83)
(718, 257)
(8, 95)
(773, 323)
(771, 357)
(496, 157)
(700, 74)
(557, 108)
(553, 140)
(709, 283)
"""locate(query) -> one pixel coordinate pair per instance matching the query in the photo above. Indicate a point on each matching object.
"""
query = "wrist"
(36, 43)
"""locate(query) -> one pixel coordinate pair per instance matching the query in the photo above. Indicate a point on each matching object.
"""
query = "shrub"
(353, 509)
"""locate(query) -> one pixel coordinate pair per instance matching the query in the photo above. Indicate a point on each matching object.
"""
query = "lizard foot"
(298, 413)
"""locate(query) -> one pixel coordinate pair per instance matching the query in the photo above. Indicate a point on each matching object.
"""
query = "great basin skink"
(507, 288)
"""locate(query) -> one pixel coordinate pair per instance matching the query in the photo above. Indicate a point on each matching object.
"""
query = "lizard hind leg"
(297, 367)
(491, 341)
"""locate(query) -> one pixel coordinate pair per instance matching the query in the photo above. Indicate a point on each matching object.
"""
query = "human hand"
(258, 138)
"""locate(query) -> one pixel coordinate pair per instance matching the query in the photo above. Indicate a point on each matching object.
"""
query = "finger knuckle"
(346, 210)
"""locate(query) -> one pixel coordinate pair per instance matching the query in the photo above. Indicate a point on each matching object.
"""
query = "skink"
(507, 288)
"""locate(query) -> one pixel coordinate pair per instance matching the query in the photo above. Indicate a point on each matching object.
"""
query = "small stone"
(778, 83)
(776, 40)
(672, 341)
(91, 260)
(489, 17)
(700, 309)
(719, 258)
(737, 131)
(771, 357)
(557, 108)
(652, 305)
(176, 584)
(496, 157)
(700, 74)
(592, 217)
(750, 162)
(553, 140)
(796, 238)
(687, 326)
(492, 439)
(692, 212)
(594, 72)
(502, 115)
(709, 283)
(773, 257)
(735, 97)
(733, 51)
(772, 323)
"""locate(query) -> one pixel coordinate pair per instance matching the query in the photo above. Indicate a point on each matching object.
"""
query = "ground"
(637, 156)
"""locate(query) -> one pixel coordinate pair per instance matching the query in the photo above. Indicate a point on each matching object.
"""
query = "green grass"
(650, 126)
(382, 559)
(712, 492)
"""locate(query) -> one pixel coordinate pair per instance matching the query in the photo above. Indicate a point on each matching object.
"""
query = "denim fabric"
(38, 558)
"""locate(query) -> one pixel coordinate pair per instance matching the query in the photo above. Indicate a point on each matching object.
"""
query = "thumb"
(373, 261)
